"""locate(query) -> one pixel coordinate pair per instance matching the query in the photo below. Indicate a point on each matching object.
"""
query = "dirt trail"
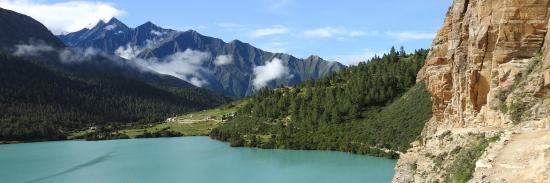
(190, 121)
(521, 157)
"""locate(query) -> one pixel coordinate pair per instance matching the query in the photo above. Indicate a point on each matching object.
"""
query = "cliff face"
(489, 75)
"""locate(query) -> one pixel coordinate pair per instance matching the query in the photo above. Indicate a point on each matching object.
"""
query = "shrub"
(462, 167)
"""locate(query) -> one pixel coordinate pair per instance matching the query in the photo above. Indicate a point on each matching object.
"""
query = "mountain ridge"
(149, 41)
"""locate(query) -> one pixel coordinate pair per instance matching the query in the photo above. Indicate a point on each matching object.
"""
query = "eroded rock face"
(477, 37)
(488, 73)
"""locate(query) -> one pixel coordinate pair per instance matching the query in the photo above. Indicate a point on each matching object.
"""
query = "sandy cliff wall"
(488, 73)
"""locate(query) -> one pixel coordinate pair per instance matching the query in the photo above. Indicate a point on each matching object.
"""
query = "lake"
(184, 159)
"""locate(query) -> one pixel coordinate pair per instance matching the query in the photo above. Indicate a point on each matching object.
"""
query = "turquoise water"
(185, 159)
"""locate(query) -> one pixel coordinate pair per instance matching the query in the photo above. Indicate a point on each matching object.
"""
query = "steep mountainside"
(489, 75)
(372, 108)
(41, 103)
(235, 77)
(20, 29)
(47, 90)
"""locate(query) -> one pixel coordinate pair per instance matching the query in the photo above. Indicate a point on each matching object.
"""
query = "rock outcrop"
(489, 75)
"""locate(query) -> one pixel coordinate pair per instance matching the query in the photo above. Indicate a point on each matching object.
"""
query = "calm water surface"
(186, 159)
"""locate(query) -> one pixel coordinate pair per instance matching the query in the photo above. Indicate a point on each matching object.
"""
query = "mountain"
(101, 30)
(488, 73)
(234, 77)
(114, 34)
(20, 29)
(373, 108)
(47, 90)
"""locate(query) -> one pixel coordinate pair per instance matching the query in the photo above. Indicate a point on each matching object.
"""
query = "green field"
(198, 123)
(192, 129)
(216, 113)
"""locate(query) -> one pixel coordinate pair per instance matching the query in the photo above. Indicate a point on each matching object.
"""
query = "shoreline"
(81, 139)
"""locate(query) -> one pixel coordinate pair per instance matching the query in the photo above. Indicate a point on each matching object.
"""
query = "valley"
(108, 98)
(198, 123)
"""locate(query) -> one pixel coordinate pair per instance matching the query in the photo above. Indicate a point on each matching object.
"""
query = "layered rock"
(488, 73)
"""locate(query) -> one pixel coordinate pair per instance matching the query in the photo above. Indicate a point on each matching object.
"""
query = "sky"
(347, 31)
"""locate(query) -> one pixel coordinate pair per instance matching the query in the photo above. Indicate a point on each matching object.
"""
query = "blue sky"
(347, 30)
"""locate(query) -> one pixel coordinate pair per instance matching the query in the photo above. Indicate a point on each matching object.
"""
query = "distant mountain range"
(48, 89)
(233, 75)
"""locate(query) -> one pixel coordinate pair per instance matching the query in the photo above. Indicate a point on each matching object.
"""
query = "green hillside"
(198, 123)
(37, 103)
(372, 108)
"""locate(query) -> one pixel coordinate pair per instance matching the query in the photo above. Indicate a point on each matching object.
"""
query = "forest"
(39, 103)
(375, 107)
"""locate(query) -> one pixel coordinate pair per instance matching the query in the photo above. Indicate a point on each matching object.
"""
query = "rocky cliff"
(489, 75)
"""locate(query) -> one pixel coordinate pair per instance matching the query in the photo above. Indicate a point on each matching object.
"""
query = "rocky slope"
(489, 76)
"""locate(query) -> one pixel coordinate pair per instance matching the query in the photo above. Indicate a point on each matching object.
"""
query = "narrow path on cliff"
(524, 156)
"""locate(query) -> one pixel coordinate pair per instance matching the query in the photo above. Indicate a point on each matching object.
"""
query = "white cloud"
(355, 58)
(76, 55)
(406, 36)
(187, 65)
(341, 33)
(325, 32)
(66, 55)
(157, 33)
(196, 81)
(110, 27)
(223, 60)
(32, 49)
(268, 72)
(273, 30)
(64, 17)
(129, 51)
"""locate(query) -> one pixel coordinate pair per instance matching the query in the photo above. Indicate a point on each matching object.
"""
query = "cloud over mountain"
(223, 60)
(187, 65)
(270, 71)
(32, 49)
(64, 17)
